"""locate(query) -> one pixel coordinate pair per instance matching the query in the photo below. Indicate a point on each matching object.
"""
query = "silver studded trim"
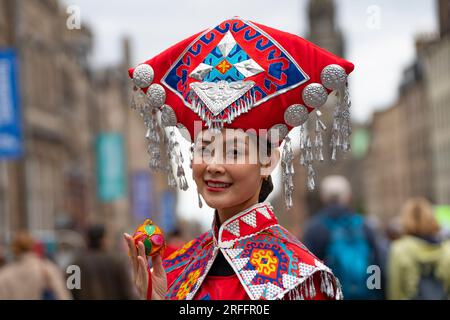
(277, 133)
(168, 116)
(156, 95)
(296, 115)
(315, 95)
(333, 77)
(143, 75)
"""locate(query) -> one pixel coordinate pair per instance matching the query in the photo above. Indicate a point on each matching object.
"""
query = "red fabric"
(221, 288)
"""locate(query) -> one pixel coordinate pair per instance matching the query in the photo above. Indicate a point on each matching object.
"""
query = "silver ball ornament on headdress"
(315, 95)
(156, 95)
(143, 75)
(333, 77)
(296, 115)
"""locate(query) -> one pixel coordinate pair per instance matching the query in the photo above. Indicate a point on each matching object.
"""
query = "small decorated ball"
(151, 236)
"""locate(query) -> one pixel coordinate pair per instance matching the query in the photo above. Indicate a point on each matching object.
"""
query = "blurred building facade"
(410, 149)
(436, 57)
(324, 32)
(66, 104)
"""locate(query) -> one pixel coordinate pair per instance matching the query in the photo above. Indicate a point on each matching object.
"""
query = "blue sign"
(141, 195)
(111, 170)
(11, 145)
(168, 218)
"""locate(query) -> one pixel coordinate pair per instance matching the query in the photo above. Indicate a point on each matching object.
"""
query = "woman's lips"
(217, 186)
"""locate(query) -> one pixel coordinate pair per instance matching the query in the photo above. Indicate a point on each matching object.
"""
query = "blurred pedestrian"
(2, 255)
(345, 241)
(104, 275)
(419, 262)
(30, 277)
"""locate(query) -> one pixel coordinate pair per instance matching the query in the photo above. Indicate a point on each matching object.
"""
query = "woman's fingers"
(141, 251)
(133, 251)
(142, 277)
(158, 268)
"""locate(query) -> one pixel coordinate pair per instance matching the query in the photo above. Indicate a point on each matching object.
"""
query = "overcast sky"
(379, 37)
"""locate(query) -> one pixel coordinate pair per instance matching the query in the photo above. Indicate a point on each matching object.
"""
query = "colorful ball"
(151, 236)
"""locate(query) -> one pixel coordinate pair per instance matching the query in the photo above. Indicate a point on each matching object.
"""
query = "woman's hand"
(140, 271)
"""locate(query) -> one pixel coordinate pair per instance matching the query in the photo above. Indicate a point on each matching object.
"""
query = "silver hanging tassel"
(318, 143)
(303, 138)
(175, 156)
(346, 128)
(154, 139)
(341, 132)
(191, 154)
(172, 182)
(200, 203)
(288, 172)
(309, 164)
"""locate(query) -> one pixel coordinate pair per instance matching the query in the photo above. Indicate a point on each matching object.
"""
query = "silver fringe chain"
(341, 132)
(307, 289)
(307, 150)
(156, 135)
(153, 136)
(176, 157)
(287, 166)
(242, 105)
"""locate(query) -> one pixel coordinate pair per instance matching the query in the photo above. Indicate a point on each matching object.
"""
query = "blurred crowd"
(408, 260)
(33, 272)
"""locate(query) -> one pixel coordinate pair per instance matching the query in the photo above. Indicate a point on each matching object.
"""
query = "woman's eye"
(202, 151)
(233, 153)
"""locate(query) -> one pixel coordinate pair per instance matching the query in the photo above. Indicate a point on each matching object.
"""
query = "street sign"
(168, 216)
(142, 195)
(111, 170)
(11, 145)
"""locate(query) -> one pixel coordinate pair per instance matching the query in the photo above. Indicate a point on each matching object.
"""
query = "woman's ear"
(267, 168)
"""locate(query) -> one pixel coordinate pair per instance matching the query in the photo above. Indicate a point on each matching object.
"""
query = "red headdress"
(243, 75)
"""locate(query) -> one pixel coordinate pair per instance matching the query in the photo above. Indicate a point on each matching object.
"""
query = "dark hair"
(95, 235)
(267, 185)
(266, 189)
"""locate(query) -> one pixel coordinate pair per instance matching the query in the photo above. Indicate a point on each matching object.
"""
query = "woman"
(419, 262)
(235, 91)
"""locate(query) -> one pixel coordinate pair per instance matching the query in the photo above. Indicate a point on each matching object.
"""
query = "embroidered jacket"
(269, 262)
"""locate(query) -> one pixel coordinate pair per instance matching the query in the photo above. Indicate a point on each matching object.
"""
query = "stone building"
(66, 103)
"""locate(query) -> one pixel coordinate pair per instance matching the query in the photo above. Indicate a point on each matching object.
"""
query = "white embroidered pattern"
(240, 263)
(250, 219)
(305, 269)
(233, 253)
(290, 281)
(264, 212)
(233, 228)
(257, 290)
(248, 275)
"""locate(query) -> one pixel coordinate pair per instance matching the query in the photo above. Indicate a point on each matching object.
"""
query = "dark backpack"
(430, 287)
(348, 254)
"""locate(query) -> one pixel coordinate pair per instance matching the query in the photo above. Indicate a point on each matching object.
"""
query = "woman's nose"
(215, 166)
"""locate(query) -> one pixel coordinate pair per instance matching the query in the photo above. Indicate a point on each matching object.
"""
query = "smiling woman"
(236, 91)
(228, 172)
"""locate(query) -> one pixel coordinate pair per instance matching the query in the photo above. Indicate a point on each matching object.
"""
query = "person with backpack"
(347, 242)
(419, 262)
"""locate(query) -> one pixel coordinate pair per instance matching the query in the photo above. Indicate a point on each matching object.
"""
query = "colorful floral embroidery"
(181, 250)
(265, 262)
(187, 285)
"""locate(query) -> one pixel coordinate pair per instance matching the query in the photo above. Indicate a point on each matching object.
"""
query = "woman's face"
(227, 169)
